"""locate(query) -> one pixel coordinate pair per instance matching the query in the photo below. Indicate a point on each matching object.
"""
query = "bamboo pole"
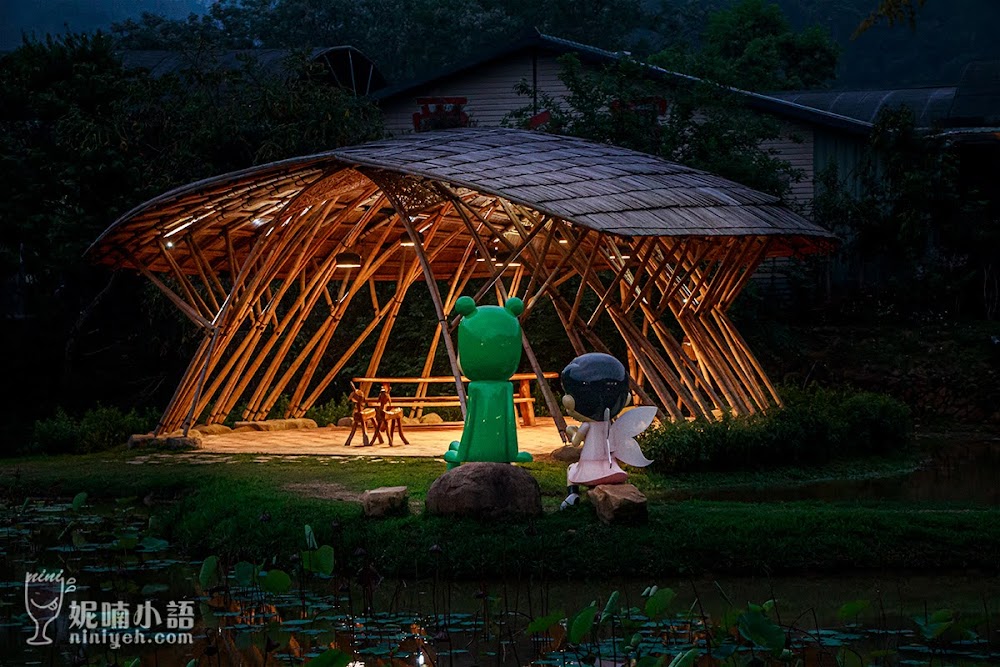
(438, 307)
(562, 307)
(584, 281)
(193, 297)
(182, 305)
(296, 404)
(550, 400)
(454, 290)
(303, 306)
(294, 246)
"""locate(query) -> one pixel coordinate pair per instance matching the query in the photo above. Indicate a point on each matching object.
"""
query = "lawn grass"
(245, 510)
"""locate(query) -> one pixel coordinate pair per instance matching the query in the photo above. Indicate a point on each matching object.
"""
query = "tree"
(752, 46)
(697, 124)
(917, 235)
(406, 37)
(893, 12)
(82, 140)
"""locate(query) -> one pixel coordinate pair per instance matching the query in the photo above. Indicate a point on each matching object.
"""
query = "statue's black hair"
(597, 382)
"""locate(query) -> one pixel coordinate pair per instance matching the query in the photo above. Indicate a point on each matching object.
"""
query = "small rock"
(386, 501)
(619, 504)
(567, 454)
(140, 440)
(175, 442)
(277, 424)
(431, 418)
(486, 491)
(212, 429)
(345, 422)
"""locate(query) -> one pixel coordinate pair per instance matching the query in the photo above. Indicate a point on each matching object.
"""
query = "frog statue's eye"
(514, 306)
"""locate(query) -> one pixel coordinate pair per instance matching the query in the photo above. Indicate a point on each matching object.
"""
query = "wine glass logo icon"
(43, 600)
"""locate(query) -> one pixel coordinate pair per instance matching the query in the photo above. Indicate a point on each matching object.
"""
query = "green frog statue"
(489, 351)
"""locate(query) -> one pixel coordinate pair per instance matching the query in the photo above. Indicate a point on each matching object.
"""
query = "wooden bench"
(523, 398)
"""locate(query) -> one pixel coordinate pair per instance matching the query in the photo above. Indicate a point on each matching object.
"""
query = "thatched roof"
(605, 188)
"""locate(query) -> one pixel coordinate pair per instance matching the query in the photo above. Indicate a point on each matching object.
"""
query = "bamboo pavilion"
(249, 256)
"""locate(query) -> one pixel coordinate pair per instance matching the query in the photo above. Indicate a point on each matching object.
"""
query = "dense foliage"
(920, 236)
(753, 46)
(706, 127)
(407, 37)
(814, 427)
(96, 430)
(82, 140)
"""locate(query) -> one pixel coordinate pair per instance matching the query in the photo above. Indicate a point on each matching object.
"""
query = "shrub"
(814, 427)
(330, 412)
(55, 435)
(98, 429)
(103, 428)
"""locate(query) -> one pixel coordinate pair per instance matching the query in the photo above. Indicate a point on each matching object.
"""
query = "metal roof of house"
(973, 103)
(929, 105)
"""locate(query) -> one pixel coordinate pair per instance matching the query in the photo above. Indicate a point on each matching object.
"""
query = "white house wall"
(489, 90)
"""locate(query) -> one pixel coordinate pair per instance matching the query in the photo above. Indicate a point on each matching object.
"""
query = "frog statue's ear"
(514, 306)
(465, 306)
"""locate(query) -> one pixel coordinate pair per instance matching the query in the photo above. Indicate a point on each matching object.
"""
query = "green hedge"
(814, 427)
(97, 429)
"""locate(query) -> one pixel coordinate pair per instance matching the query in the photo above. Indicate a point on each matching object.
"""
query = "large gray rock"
(386, 501)
(345, 422)
(486, 491)
(619, 504)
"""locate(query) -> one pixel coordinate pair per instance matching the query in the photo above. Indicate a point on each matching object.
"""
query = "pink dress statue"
(597, 391)
(607, 443)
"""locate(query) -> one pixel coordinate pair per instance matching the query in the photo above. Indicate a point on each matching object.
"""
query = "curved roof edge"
(598, 186)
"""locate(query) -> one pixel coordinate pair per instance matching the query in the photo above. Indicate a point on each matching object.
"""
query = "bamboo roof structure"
(249, 256)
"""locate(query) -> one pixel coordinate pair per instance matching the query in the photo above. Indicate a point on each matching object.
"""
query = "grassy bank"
(237, 507)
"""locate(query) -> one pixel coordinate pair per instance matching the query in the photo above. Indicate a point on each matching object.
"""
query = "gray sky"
(52, 16)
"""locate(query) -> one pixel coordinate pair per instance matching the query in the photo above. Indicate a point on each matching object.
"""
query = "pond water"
(241, 619)
(965, 472)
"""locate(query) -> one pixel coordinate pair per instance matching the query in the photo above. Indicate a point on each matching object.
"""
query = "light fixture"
(563, 241)
(348, 260)
(257, 222)
(170, 244)
(406, 242)
(624, 253)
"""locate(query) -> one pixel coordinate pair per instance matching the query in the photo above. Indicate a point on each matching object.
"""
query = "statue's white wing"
(623, 432)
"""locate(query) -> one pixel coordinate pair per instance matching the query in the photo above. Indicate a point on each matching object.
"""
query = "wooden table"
(523, 399)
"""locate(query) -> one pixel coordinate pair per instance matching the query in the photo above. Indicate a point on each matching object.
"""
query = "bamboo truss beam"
(258, 291)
